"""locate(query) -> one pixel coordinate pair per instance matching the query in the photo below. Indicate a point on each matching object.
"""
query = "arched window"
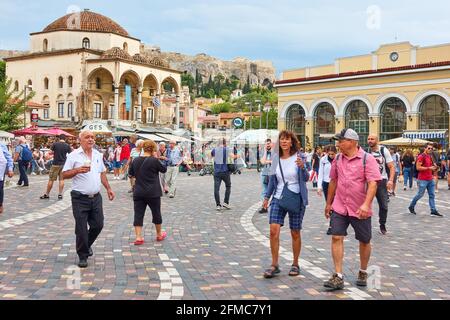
(295, 122)
(393, 119)
(16, 86)
(434, 113)
(98, 83)
(125, 47)
(46, 83)
(357, 118)
(86, 43)
(30, 83)
(45, 45)
(60, 82)
(324, 128)
(70, 82)
(70, 110)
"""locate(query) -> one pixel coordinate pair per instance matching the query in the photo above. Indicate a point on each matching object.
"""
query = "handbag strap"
(140, 167)
(281, 169)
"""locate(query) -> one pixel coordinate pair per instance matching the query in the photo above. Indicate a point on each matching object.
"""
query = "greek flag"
(156, 102)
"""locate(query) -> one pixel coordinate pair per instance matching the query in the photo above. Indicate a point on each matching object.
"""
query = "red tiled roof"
(365, 72)
(88, 21)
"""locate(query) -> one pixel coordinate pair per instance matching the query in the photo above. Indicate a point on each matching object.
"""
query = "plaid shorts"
(277, 215)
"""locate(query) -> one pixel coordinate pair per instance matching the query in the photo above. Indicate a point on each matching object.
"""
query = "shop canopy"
(31, 131)
(426, 134)
(97, 127)
(58, 132)
(256, 136)
(150, 136)
(404, 142)
(169, 137)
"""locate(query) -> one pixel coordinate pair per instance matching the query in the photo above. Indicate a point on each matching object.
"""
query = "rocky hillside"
(260, 72)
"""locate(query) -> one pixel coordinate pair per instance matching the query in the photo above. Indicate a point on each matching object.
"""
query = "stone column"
(412, 121)
(116, 104)
(177, 113)
(139, 108)
(375, 124)
(309, 132)
(281, 124)
(340, 123)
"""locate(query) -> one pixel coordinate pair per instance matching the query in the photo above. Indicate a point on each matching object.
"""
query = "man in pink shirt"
(354, 177)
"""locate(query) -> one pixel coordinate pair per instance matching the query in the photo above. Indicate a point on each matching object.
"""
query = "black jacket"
(146, 171)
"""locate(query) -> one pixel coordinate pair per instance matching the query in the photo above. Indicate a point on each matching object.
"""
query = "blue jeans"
(264, 187)
(425, 185)
(408, 176)
(23, 166)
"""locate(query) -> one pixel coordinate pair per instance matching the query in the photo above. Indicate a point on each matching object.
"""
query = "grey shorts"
(363, 228)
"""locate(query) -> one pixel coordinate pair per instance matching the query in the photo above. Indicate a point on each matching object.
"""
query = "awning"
(438, 134)
(173, 137)
(149, 136)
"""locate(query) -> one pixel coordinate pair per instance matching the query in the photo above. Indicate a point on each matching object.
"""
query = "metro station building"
(397, 90)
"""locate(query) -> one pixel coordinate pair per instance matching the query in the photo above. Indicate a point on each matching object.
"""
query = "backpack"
(26, 153)
(364, 161)
(386, 167)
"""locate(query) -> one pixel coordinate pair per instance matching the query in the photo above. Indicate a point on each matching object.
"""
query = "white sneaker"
(33, 173)
(226, 206)
(219, 208)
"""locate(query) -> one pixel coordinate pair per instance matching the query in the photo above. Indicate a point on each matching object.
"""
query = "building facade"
(398, 90)
(86, 67)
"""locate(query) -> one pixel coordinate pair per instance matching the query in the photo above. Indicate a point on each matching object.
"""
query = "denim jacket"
(303, 177)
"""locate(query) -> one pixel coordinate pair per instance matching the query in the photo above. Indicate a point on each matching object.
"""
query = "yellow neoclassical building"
(398, 90)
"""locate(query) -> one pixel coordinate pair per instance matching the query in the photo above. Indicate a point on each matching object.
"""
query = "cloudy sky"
(291, 33)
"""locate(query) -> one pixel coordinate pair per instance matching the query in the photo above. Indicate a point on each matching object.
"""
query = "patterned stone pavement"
(210, 254)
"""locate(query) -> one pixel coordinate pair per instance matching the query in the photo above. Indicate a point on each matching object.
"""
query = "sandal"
(139, 242)
(163, 236)
(272, 272)
(44, 197)
(295, 271)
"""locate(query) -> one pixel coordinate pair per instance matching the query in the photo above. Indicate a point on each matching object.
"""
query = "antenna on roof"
(87, 10)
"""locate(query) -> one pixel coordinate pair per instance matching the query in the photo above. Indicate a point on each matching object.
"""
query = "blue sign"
(238, 122)
(128, 97)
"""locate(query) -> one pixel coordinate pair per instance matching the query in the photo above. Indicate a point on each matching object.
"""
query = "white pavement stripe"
(246, 222)
(171, 283)
(39, 214)
(425, 202)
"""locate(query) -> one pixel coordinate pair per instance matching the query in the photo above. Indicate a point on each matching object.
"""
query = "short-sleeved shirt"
(125, 154)
(174, 156)
(86, 183)
(426, 161)
(19, 149)
(382, 160)
(408, 161)
(221, 155)
(352, 178)
(60, 152)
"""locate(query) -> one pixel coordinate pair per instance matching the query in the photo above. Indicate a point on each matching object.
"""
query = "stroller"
(208, 169)
(239, 165)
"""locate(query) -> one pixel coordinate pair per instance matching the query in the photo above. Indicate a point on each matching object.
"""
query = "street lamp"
(259, 110)
(25, 105)
(267, 110)
(251, 115)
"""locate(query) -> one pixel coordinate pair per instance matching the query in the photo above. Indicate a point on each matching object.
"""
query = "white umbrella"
(404, 142)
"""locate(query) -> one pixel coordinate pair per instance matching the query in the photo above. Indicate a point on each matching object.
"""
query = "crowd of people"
(347, 176)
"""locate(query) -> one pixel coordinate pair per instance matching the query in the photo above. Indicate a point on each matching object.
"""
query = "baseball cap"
(348, 134)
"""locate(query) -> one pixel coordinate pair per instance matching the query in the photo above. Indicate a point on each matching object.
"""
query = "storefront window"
(434, 113)
(357, 118)
(393, 119)
(324, 125)
(295, 122)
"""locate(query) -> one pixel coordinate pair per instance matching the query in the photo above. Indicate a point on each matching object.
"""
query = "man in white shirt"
(85, 166)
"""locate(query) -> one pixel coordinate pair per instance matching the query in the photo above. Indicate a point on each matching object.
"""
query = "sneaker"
(172, 196)
(91, 253)
(404, 189)
(83, 263)
(226, 206)
(219, 208)
(262, 210)
(33, 173)
(329, 233)
(335, 283)
(362, 279)
(436, 214)
(411, 210)
(383, 230)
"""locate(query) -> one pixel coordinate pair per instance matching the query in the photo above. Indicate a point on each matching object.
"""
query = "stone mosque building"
(84, 67)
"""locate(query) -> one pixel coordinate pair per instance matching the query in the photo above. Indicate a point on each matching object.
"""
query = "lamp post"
(25, 105)
(251, 118)
(260, 115)
(267, 110)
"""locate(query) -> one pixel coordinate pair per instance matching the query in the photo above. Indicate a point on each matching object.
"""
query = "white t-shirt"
(290, 171)
(382, 161)
(86, 183)
(309, 156)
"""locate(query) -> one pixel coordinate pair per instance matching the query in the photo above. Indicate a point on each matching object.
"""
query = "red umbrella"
(58, 132)
(30, 131)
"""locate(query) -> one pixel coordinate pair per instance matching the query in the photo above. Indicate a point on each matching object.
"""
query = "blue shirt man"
(221, 155)
(174, 155)
(9, 159)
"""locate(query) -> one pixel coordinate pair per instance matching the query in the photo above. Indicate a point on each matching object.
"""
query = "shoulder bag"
(289, 200)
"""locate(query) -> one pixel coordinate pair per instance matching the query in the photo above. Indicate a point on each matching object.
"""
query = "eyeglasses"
(431, 148)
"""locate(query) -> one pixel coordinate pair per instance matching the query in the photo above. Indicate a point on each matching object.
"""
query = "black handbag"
(289, 200)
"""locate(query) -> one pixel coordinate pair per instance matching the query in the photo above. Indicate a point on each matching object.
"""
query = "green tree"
(210, 93)
(225, 94)
(12, 106)
(2, 71)
(221, 108)
(273, 120)
(188, 80)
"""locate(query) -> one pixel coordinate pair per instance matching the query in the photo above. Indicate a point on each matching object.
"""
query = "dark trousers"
(2, 193)
(23, 166)
(86, 211)
(325, 189)
(382, 198)
(140, 205)
(218, 178)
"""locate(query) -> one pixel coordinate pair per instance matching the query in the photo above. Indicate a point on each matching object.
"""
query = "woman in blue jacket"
(287, 169)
